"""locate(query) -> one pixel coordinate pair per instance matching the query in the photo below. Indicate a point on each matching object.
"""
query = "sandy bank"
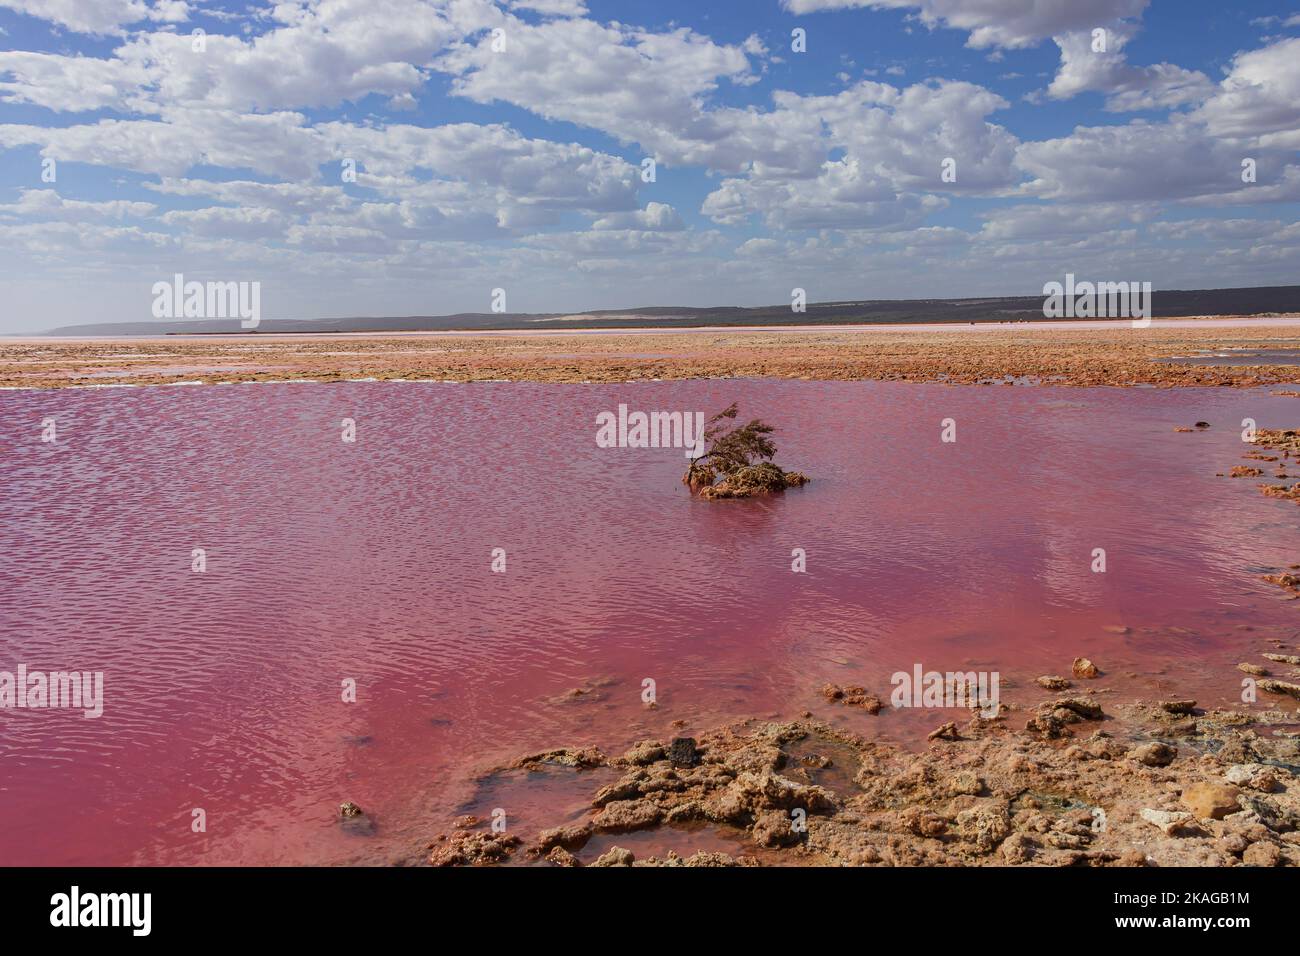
(1062, 353)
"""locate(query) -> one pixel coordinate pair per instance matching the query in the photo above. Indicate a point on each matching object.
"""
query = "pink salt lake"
(371, 561)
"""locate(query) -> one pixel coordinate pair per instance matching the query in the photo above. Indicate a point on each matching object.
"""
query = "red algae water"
(329, 562)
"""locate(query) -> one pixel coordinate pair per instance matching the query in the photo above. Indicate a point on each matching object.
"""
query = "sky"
(409, 157)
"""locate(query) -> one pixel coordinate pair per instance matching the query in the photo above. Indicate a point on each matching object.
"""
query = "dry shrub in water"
(738, 461)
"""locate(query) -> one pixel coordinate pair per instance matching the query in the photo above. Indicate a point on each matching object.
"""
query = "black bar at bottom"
(335, 904)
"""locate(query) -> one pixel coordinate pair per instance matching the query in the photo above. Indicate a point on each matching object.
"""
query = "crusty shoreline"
(1062, 783)
(1119, 356)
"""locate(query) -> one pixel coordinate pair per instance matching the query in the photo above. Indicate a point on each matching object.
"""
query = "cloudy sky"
(501, 144)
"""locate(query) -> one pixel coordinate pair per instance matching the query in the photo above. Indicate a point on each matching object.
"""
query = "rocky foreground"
(1065, 784)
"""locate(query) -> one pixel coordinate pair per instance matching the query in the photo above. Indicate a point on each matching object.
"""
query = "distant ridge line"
(1263, 300)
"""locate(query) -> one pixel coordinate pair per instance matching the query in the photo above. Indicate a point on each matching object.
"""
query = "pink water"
(372, 561)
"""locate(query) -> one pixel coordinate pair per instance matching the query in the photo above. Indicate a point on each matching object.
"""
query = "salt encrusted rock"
(925, 823)
(852, 697)
(1046, 725)
(473, 849)
(774, 828)
(559, 856)
(1272, 812)
(1053, 683)
(1170, 822)
(947, 732)
(1280, 687)
(583, 759)
(703, 858)
(644, 752)
(772, 791)
(1082, 667)
(1233, 844)
(1181, 707)
(1085, 708)
(617, 856)
(1017, 849)
(622, 816)
(1154, 754)
(966, 782)
(1254, 776)
(986, 825)
(1261, 854)
(1212, 801)
(1284, 580)
(569, 837)
(355, 820)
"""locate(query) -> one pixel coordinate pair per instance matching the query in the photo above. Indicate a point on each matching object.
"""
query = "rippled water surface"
(371, 561)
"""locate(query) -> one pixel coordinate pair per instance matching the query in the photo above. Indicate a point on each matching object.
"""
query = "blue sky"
(499, 144)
